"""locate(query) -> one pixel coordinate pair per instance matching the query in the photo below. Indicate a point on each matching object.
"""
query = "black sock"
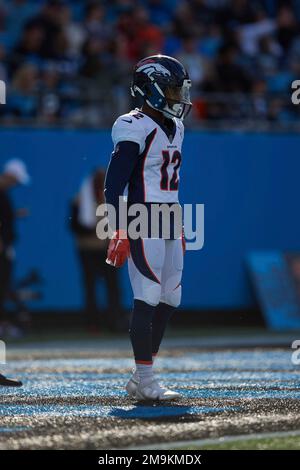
(141, 331)
(162, 315)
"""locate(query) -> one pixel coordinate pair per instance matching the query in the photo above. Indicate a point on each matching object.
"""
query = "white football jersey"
(156, 175)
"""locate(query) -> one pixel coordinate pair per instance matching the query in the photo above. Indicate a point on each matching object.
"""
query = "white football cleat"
(131, 386)
(153, 391)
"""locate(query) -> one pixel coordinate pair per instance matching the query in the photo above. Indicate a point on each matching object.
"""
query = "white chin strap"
(176, 111)
(169, 112)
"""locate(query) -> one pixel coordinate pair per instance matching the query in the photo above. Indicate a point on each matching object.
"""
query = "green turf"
(271, 443)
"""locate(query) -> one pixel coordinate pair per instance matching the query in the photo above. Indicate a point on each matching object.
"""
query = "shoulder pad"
(128, 128)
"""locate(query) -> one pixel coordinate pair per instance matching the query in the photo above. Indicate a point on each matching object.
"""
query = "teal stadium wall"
(249, 183)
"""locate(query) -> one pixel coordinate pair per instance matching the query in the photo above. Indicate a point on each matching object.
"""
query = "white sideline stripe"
(218, 440)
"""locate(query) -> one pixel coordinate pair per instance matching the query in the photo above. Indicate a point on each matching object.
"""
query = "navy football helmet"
(164, 84)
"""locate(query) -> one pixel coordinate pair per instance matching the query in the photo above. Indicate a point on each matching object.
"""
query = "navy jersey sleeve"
(121, 166)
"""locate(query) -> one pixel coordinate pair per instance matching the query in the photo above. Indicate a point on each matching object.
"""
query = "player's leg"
(170, 291)
(145, 267)
(145, 272)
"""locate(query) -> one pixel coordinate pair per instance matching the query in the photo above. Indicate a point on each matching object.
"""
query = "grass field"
(74, 398)
(260, 443)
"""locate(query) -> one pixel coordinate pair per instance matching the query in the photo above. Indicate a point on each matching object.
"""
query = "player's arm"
(122, 163)
(120, 168)
(128, 140)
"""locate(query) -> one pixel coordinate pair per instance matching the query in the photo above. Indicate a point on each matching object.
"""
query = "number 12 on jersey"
(167, 184)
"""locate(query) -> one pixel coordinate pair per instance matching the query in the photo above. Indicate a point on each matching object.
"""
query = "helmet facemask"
(178, 103)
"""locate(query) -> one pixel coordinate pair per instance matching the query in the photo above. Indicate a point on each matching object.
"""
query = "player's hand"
(183, 241)
(118, 249)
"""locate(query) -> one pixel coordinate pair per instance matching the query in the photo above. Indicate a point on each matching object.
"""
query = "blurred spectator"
(251, 33)
(50, 20)
(184, 22)
(288, 26)
(73, 32)
(14, 173)
(94, 59)
(94, 22)
(229, 75)
(236, 12)
(149, 38)
(28, 48)
(93, 46)
(50, 105)
(23, 101)
(141, 37)
(92, 254)
(202, 13)
(268, 56)
(195, 63)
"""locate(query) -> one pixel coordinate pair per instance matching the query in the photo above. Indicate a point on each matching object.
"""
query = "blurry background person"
(14, 173)
(23, 101)
(92, 254)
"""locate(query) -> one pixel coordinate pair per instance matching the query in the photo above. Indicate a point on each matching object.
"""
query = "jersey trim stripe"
(139, 259)
(149, 141)
(146, 261)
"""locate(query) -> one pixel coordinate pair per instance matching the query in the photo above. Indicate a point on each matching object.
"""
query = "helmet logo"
(151, 68)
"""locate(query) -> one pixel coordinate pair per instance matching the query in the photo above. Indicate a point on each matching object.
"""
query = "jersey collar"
(170, 133)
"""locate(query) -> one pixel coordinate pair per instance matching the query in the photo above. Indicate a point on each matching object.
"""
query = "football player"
(146, 162)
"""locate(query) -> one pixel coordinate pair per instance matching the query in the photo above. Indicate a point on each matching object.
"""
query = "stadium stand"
(69, 63)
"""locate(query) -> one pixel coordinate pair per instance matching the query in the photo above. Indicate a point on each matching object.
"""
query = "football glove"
(118, 249)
